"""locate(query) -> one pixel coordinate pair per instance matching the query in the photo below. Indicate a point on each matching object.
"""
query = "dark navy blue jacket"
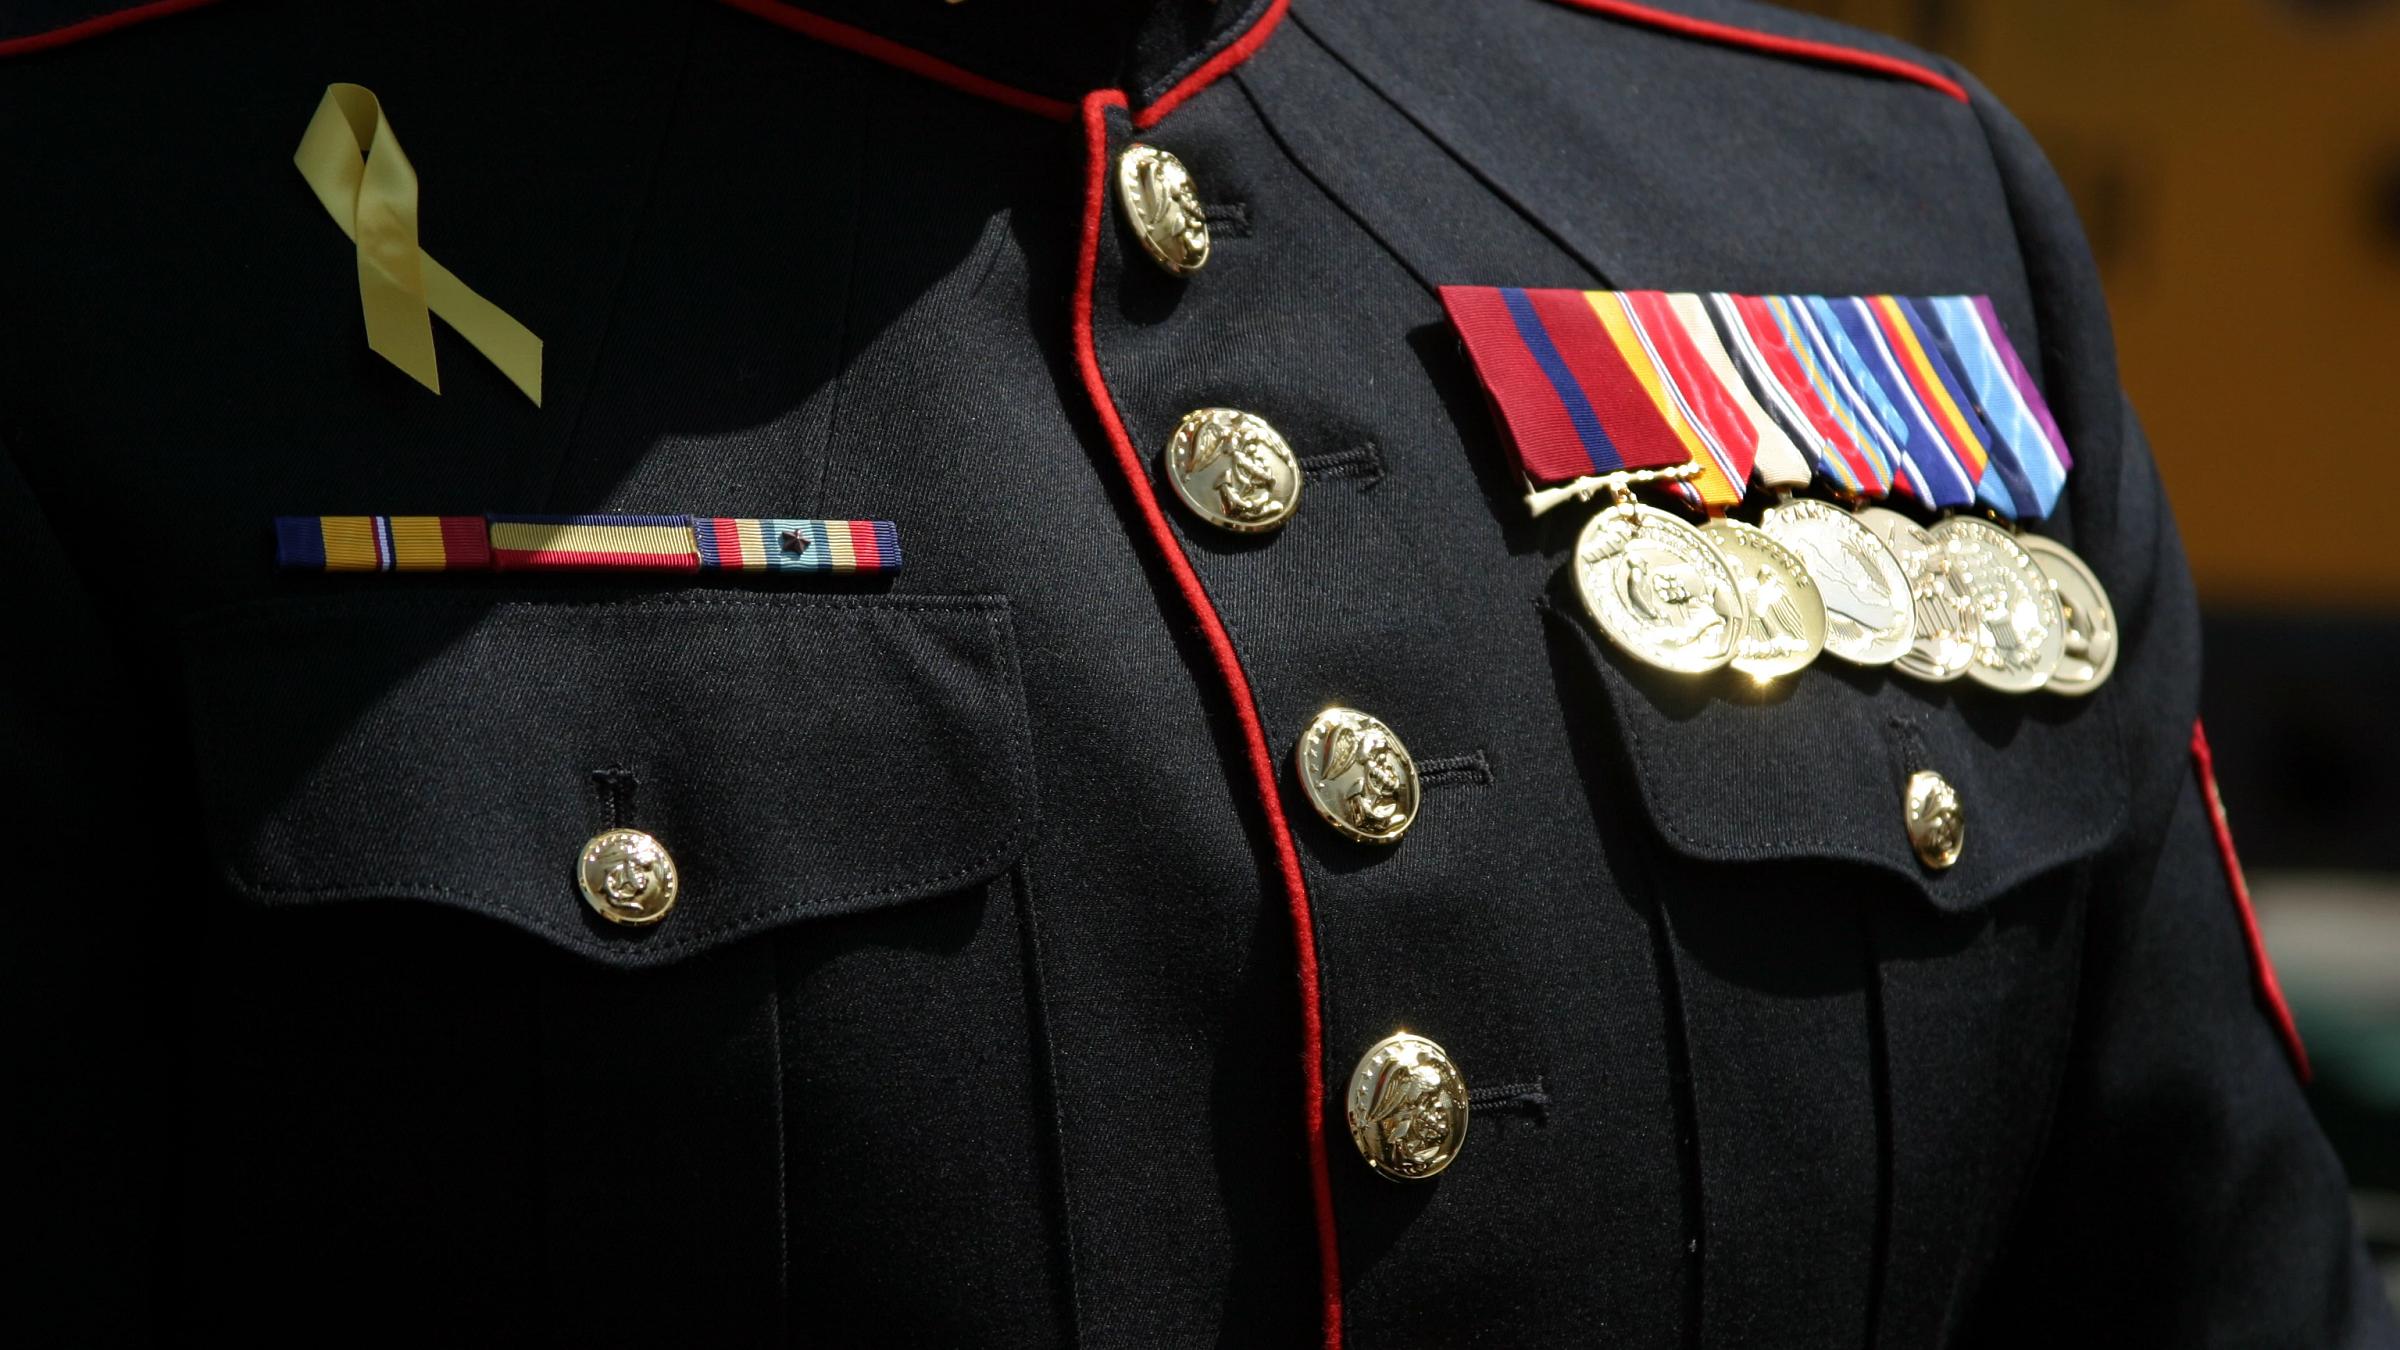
(1013, 986)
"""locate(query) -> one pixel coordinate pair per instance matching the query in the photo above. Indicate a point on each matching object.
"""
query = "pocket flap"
(1817, 765)
(797, 755)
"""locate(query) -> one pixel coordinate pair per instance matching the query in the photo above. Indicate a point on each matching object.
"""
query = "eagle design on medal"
(1852, 582)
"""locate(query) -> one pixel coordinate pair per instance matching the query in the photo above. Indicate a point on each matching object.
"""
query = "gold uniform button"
(1359, 776)
(627, 876)
(1407, 1107)
(1165, 212)
(1937, 827)
(1234, 470)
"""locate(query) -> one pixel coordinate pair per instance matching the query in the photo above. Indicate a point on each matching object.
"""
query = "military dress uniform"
(993, 976)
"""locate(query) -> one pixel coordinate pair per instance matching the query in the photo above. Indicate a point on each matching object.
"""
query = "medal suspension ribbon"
(2029, 457)
(1796, 387)
(1578, 398)
(1940, 456)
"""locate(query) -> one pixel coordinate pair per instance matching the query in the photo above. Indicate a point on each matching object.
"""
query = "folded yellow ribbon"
(374, 200)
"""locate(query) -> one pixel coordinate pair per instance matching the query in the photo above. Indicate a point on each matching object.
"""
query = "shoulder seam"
(1774, 44)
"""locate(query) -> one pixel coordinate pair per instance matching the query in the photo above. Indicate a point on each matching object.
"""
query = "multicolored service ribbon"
(1781, 362)
(381, 544)
(1936, 385)
(1564, 384)
(1933, 471)
(1877, 393)
(593, 544)
(1728, 440)
(1775, 461)
(796, 545)
(597, 543)
(2029, 456)
(1842, 366)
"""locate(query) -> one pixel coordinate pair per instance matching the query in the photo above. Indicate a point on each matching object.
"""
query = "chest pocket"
(736, 1090)
(1874, 1044)
(1815, 769)
(798, 756)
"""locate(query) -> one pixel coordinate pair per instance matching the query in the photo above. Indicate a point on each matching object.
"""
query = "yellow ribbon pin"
(374, 200)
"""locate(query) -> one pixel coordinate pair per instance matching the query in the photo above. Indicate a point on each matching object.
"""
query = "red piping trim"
(835, 33)
(1237, 684)
(890, 53)
(2261, 969)
(1236, 52)
(95, 26)
(1829, 53)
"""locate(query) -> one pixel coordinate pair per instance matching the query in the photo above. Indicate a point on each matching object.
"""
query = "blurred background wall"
(2237, 164)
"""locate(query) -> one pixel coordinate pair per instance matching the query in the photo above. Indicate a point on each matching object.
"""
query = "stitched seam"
(561, 455)
(415, 890)
(1491, 185)
(783, 1150)
(1300, 166)
(1879, 1081)
(1039, 987)
(843, 348)
(1012, 843)
(1683, 1095)
(2005, 1240)
(1766, 848)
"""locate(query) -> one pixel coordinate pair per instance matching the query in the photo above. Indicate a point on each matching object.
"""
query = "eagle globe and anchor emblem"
(1407, 1108)
(627, 877)
(1234, 469)
(1359, 777)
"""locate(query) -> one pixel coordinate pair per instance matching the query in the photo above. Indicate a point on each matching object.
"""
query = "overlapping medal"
(1730, 403)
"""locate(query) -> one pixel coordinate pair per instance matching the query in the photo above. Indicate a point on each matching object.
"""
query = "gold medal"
(1658, 589)
(1944, 644)
(1870, 618)
(1785, 628)
(2089, 649)
(2018, 632)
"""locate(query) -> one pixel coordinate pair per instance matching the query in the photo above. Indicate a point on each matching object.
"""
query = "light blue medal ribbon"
(1938, 478)
(2029, 458)
(1852, 388)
